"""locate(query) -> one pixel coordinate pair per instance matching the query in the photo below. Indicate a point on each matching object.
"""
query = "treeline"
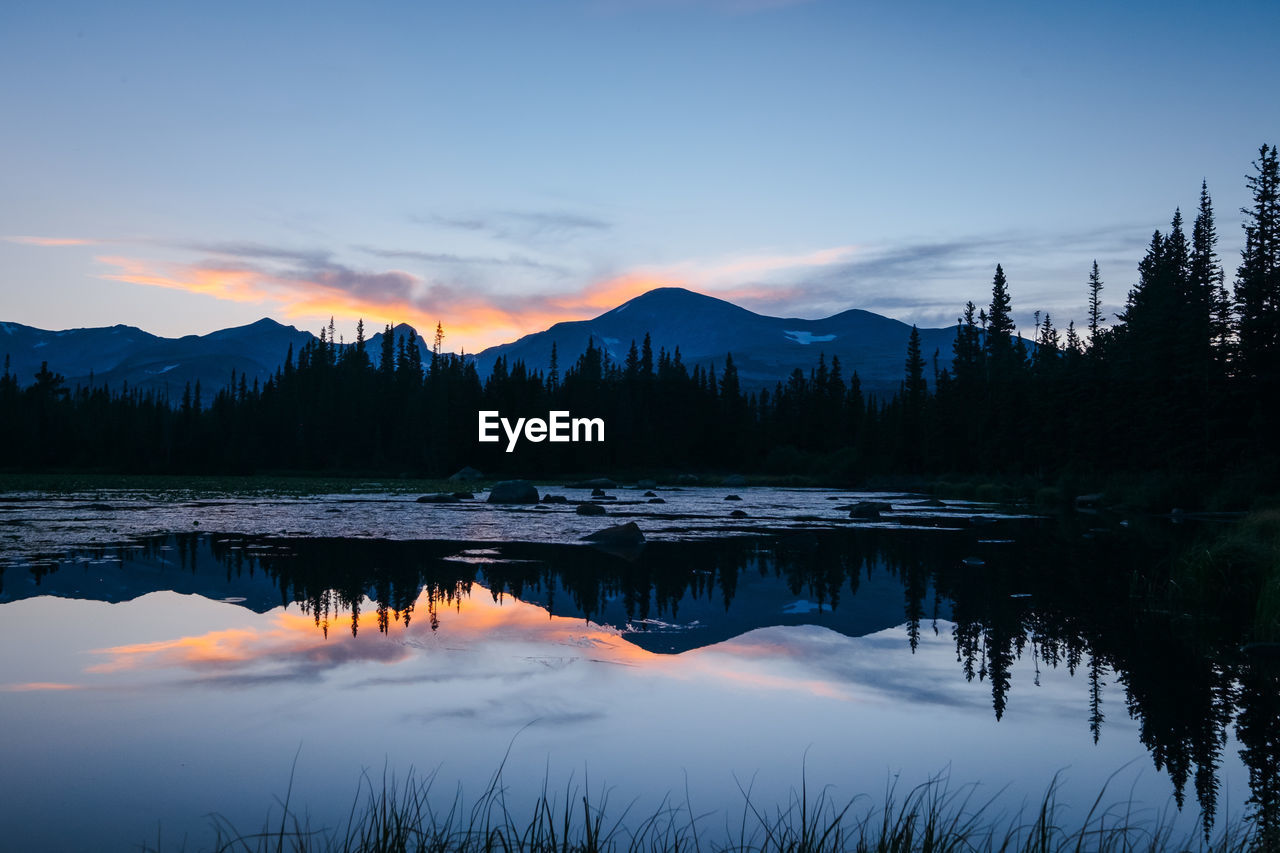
(1183, 379)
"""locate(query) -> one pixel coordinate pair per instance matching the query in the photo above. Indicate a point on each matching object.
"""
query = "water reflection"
(1036, 601)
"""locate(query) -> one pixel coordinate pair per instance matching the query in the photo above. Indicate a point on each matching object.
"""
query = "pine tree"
(1257, 288)
(1096, 317)
(966, 361)
(729, 387)
(633, 362)
(999, 326)
(916, 385)
(1208, 296)
(387, 352)
(1074, 346)
(915, 392)
(553, 375)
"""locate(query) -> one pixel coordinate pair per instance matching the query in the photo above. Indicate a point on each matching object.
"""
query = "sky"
(498, 167)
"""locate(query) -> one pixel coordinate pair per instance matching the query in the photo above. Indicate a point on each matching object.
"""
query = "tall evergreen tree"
(1257, 288)
(1208, 296)
(1096, 317)
(998, 345)
(915, 393)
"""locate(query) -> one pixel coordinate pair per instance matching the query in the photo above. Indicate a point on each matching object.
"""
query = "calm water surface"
(150, 678)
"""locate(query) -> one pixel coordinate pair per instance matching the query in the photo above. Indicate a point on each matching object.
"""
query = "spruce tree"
(1096, 317)
(999, 342)
(1257, 288)
(915, 392)
(1208, 296)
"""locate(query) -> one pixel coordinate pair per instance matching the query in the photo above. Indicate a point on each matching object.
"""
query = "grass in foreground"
(930, 818)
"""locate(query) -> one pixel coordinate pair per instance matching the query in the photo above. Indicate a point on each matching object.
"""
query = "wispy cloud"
(309, 257)
(522, 226)
(448, 258)
(50, 241)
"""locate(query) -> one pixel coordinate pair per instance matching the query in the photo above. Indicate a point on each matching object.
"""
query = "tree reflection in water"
(1061, 598)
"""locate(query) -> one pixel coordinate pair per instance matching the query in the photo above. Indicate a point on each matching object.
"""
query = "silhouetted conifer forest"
(1183, 379)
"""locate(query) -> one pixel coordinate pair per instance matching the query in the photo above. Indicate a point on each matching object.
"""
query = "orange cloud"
(473, 317)
(38, 685)
(51, 241)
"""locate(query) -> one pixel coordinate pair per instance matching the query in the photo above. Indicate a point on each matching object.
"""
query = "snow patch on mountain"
(808, 337)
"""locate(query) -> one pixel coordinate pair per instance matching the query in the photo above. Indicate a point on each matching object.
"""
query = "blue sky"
(501, 166)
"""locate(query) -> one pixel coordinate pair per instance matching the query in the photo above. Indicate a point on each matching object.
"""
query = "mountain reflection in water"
(1039, 603)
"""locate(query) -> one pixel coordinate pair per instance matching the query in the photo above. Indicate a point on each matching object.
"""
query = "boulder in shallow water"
(619, 534)
(554, 499)
(868, 510)
(590, 509)
(732, 498)
(513, 492)
(656, 501)
(737, 513)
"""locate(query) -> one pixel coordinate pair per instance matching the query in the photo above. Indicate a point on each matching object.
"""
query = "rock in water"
(590, 509)
(619, 534)
(732, 498)
(656, 501)
(737, 513)
(438, 499)
(868, 510)
(513, 492)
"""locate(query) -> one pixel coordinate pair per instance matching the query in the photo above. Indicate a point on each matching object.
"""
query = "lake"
(172, 662)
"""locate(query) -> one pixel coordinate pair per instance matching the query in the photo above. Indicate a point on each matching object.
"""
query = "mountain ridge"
(765, 349)
(704, 329)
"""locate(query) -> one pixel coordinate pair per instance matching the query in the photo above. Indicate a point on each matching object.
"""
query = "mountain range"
(765, 349)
